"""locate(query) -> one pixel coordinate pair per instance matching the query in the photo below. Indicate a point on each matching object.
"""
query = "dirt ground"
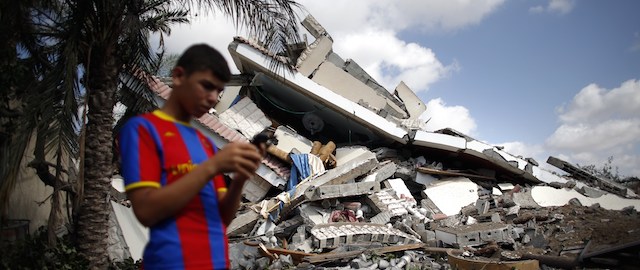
(569, 233)
(576, 235)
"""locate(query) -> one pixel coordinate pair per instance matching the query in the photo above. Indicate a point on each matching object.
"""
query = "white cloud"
(216, 31)
(365, 31)
(525, 150)
(429, 15)
(555, 6)
(440, 116)
(390, 60)
(599, 123)
(536, 9)
(596, 104)
(561, 6)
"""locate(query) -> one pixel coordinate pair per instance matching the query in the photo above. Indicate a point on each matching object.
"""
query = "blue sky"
(532, 63)
(545, 77)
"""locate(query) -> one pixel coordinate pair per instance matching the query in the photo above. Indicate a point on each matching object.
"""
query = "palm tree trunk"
(94, 210)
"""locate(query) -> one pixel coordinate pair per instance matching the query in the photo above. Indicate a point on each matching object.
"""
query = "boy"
(173, 173)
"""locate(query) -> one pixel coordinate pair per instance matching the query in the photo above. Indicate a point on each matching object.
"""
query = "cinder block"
(347, 233)
(474, 234)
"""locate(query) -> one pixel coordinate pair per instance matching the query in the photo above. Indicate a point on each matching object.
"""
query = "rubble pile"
(355, 180)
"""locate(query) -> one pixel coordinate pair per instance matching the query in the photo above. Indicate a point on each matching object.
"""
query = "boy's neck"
(176, 112)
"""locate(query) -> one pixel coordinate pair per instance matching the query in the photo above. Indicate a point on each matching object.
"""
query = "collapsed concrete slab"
(336, 234)
(475, 234)
(344, 190)
(440, 193)
(581, 174)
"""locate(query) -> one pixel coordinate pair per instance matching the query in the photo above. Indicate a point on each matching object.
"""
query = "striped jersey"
(157, 150)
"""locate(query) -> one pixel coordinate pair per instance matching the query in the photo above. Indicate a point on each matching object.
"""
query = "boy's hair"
(202, 57)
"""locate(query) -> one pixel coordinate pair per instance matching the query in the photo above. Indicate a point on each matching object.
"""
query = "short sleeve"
(140, 158)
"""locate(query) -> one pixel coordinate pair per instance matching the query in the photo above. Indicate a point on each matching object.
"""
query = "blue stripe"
(129, 145)
(159, 148)
(208, 198)
(164, 250)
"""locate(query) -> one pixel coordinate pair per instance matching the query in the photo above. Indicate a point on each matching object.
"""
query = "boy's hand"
(242, 159)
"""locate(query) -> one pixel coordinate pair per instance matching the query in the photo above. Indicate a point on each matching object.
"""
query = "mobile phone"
(261, 138)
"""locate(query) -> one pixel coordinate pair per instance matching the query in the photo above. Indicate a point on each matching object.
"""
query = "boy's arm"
(152, 205)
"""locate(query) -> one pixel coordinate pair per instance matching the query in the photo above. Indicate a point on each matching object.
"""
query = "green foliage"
(33, 252)
(607, 171)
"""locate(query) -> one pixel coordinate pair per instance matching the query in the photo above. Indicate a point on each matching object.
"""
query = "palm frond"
(273, 23)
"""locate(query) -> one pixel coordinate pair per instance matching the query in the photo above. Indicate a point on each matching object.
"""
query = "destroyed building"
(356, 181)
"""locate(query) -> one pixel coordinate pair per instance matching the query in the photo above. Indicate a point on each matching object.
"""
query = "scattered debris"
(356, 181)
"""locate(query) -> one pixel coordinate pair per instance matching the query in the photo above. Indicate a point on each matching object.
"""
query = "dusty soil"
(580, 224)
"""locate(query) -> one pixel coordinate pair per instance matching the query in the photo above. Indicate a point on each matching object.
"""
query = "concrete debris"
(581, 174)
(377, 182)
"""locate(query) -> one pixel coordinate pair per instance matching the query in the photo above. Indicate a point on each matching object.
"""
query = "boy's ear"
(177, 74)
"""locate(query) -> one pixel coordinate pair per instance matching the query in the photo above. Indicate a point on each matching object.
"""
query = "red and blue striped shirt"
(157, 150)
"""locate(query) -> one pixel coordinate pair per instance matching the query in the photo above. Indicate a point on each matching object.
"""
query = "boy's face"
(198, 92)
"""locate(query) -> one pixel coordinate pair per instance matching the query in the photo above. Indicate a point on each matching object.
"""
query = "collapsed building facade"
(356, 181)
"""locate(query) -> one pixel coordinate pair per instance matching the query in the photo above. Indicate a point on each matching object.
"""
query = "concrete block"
(439, 141)
(383, 171)
(255, 189)
(413, 103)
(474, 234)
(381, 218)
(344, 190)
(513, 211)
(482, 206)
(341, 82)
(313, 216)
(387, 200)
(517, 232)
(311, 58)
(243, 223)
(495, 218)
(314, 27)
(591, 192)
(575, 202)
(336, 234)
(524, 199)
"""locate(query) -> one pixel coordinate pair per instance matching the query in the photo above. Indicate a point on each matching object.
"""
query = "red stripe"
(193, 232)
(191, 222)
(149, 161)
